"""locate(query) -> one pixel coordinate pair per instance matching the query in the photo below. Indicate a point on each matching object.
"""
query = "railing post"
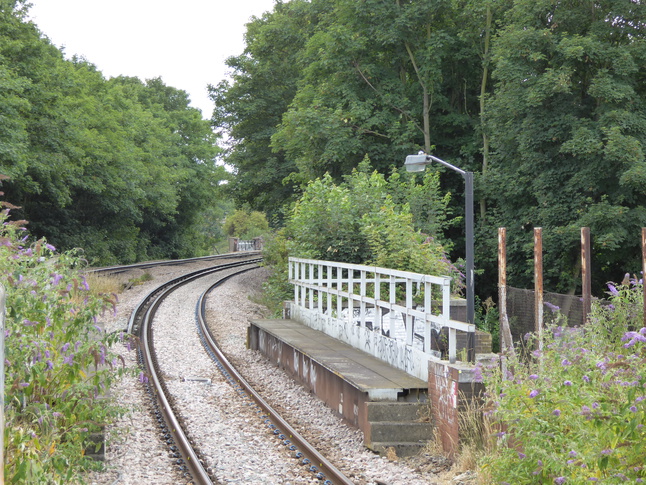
(409, 306)
(428, 310)
(378, 312)
(339, 287)
(319, 295)
(310, 281)
(362, 302)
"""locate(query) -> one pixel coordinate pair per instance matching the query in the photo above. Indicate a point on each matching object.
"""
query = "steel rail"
(143, 304)
(331, 473)
(170, 262)
(145, 313)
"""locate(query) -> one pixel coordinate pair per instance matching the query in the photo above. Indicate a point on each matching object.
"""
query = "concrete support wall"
(340, 396)
(451, 387)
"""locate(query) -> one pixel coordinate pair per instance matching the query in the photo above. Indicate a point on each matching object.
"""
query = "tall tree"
(568, 127)
(250, 106)
(118, 167)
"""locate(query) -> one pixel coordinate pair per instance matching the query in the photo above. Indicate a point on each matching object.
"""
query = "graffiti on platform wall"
(447, 391)
(391, 350)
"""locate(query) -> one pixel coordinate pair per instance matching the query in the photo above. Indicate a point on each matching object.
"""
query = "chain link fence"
(521, 310)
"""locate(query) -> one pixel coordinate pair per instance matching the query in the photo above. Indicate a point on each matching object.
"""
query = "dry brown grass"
(104, 284)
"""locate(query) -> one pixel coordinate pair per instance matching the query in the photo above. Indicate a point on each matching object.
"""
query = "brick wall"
(450, 389)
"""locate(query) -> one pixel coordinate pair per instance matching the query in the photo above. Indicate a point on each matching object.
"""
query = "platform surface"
(362, 370)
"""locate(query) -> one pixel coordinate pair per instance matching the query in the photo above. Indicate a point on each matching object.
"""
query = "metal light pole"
(417, 163)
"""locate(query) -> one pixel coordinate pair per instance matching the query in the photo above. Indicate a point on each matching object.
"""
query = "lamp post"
(417, 163)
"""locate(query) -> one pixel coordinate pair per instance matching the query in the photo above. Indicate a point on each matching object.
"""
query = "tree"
(568, 129)
(122, 168)
(246, 225)
(248, 109)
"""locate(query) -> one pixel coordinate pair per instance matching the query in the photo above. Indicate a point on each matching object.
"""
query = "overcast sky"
(185, 42)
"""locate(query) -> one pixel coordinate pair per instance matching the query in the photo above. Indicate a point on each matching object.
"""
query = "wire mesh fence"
(521, 310)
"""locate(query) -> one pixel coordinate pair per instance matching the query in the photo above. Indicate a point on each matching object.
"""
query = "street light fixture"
(417, 163)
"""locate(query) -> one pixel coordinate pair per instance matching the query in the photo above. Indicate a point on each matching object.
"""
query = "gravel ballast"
(237, 446)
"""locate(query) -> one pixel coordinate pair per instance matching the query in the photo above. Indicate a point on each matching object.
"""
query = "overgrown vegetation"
(575, 412)
(246, 224)
(366, 219)
(543, 100)
(59, 362)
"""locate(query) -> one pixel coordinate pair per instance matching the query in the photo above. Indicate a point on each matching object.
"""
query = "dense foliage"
(575, 412)
(122, 168)
(58, 362)
(246, 225)
(362, 220)
(544, 100)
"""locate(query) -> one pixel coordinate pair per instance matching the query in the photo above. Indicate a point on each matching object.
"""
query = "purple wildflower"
(633, 409)
(585, 410)
(565, 362)
(613, 290)
(143, 378)
(50, 247)
(50, 365)
(607, 451)
(521, 455)
(572, 453)
(69, 359)
(556, 412)
(567, 383)
(533, 377)
(596, 405)
(586, 378)
(56, 279)
(559, 480)
(23, 384)
(65, 347)
(477, 374)
(551, 306)
(533, 393)
(634, 337)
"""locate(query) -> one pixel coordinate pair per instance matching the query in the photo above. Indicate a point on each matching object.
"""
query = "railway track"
(189, 460)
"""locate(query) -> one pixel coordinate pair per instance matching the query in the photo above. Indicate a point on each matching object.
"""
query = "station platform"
(386, 403)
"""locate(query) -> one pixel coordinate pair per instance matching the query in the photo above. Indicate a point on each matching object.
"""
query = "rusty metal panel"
(586, 272)
(538, 283)
(507, 341)
(644, 269)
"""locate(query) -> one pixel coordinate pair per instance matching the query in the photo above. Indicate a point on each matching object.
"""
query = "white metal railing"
(394, 315)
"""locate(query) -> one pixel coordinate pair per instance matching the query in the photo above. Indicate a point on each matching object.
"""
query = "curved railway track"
(186, 453)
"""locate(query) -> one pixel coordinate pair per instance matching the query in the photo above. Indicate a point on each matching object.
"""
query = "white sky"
(184, 41)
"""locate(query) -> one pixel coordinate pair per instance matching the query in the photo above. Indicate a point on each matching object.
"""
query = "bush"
(58, 361)
(246, 225)
(360, 222)
(576, 412)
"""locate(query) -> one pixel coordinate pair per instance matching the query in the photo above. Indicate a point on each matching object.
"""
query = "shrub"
(58, 361)
(359, 221)
(576, 412)
(246, 225)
